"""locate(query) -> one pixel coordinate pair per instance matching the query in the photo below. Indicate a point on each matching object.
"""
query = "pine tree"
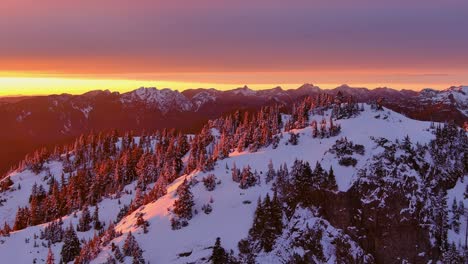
(301, 174)
(183, 205)
(441, 221)
(50, 257)
(236, 177)
(131, 248)
(248, 179)
(129, 244)
(219, 255)
(96, 222)
(118, 255)
(209, 182)
(141, 222)
(6, 229)
(71, 245)
(271, 173)
(84, 224)
(332, 180)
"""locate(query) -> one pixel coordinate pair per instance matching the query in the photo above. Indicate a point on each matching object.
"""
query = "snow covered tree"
(183, 205)
(209, 182)
(455, 220)
(141, 222)
(236, 175)
(132, 249)
(84, 224)
(331, 184)
(301, 175)
(5, 231)
(50, 257)
(71, 245)
(53, 232)
(207, 208)
(441, 221)
(118, 254)
(293, 138)
(271, 173)
(266, 227)
(451, 255)
(219, 255)
(96, 222)
(248, 179)
(22, 219)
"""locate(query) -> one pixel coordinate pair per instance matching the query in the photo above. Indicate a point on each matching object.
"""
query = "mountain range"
(33, 122)
(327, 181)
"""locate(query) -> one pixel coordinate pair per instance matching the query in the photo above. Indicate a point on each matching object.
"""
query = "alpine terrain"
(297, 176)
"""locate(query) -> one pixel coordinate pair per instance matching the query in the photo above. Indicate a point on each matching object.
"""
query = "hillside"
(392, 177)
(149, 109)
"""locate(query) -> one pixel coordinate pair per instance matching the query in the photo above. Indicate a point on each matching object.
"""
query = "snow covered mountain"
(149, 109)
(329, 182)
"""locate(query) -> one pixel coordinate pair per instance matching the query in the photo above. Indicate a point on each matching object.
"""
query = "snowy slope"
(231, 218)
(233, 208)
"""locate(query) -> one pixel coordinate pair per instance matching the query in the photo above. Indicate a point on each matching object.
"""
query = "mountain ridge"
(68, 116)
(387, 170)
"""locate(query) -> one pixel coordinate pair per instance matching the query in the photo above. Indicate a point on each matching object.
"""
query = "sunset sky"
(53, 46)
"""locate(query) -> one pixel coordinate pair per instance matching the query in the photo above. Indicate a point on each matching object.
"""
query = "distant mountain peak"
(246, 91)
(163, 99)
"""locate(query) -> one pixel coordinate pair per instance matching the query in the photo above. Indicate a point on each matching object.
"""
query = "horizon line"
(221, 90)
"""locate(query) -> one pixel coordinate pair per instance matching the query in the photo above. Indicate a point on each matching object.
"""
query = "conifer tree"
(132, 249)
(118, 255)
(84, 224)
(71, 245)
(301, 175)
(271, 173)
(219, 255)
(96, 222)
(248, 179)
(236, 177)
(332, 180)
(183, 205)
(50, 257)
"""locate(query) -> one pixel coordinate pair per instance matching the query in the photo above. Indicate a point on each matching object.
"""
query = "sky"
(53, 46)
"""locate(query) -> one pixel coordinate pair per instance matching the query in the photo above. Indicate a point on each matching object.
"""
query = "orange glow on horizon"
(27, 83)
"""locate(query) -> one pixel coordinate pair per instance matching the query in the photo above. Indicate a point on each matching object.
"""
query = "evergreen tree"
(236, 177)
(248, 179)
(141, 222)
(441, 221)
(6, 229)
(96, 222)
(219, 255)
(50, 257)
(271, 173)
(183, 205)
(118, 255)
(301, 175)
(84, 224)
(132, 249)
(209, 182)
(71, 245)
(332, 180)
